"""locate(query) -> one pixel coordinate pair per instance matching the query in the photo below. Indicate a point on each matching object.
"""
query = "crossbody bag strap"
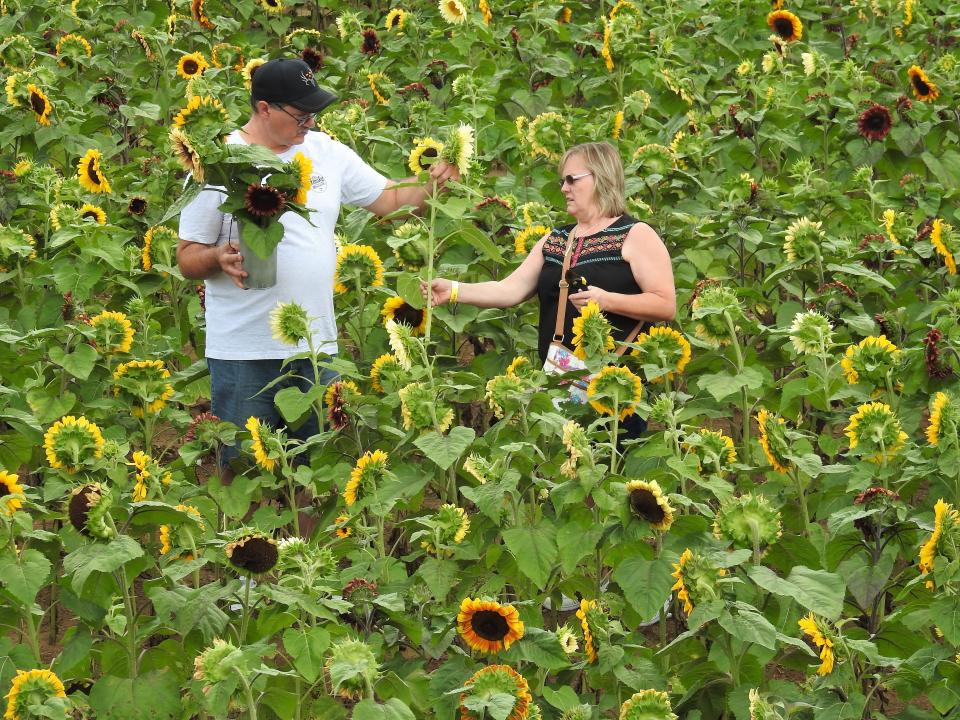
(629, 339)
(564, 290)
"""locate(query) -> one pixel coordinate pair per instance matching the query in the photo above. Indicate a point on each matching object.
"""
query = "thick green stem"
(248, 693)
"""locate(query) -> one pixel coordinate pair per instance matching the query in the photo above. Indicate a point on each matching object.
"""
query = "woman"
(624, 262)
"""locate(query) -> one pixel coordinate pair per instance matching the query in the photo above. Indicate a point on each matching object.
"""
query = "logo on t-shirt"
(318, 183)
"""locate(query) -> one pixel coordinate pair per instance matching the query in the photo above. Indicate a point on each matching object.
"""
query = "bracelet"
(454, 291)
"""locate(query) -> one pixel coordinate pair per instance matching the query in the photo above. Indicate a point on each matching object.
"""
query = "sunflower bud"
(352, 668)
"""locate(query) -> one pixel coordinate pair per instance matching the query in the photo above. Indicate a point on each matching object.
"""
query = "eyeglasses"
(301, 120)
(571, 179)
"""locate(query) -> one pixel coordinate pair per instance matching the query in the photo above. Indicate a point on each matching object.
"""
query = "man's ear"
(262, 106)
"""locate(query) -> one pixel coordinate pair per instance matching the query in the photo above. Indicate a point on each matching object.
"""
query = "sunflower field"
(784, 540)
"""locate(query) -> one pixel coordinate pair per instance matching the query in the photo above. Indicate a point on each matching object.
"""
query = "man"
(242, 355)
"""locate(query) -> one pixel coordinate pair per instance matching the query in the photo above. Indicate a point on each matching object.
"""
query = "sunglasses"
(571, 179)
(301, 120)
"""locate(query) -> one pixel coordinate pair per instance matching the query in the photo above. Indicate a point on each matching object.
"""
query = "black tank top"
(600, 262)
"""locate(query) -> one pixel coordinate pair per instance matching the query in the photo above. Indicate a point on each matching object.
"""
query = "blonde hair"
(603, 161)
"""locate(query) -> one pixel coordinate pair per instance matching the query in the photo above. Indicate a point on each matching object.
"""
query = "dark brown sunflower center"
(408, 315)
(876, 119)
(79, 508)
(264, 201)
(273, 3)
(920, 85)
(783, 27)
(38, 104)
(90, 214)
(256, 555)
(138, 206)
(4, 490)
(190, 67)
(644, 504)
(92, 172)
(489, 625)
(394, 21)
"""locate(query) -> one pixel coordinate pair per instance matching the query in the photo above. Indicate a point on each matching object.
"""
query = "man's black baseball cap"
(290, 81)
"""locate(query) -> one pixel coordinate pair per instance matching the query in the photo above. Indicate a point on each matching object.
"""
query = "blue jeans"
(235, 394)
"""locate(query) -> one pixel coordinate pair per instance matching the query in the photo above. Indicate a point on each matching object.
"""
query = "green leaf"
(408, 287)
(307, 647)
(100, 557)
(497, 705)
(535, 550)
(482, 242)
(748, 625)
(445, 449)
(47, 406)
(563, 698)
(151, 696)
(575, 542)
(817, 590)
(23, 576)
(293, 403)
(187, 608)
(646, 584)
(439, 576)
(860, 271)
(187, 197)
(393, 709)
(946, 610)
(79, 363)
(542, 648)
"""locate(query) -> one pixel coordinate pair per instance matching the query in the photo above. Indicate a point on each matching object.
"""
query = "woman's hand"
(441, 290)
(598, 295)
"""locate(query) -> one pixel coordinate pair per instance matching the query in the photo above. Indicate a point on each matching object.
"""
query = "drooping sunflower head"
(873, 361)
(182, 535)
(402, 342)
(803, 240)
(577, 444)
(338, 397)
(381, 87)
(203, 118)
(696, 580)
(664, 353)
(352, 668)
(386, 374)
(144, 384)
(73, 47)
(923, 89)
(460, 146)
(87, 509)
(496, 680)
(874, 431)
(369, 471)
(90, 173)
(487, 626)
(592, 332)
(289, 323)
(944, 420)
(549, 135)
(112, 332)
(185, 154)
(773, 439)
(811, 333)
(507, 394)
(72, 443)
(265, 443)
(423, 410)
(450, 525)
(453, 11)
(39, 103)
(875, 122)
(786, 25)
(11, 493)
(592, 622)
(528, 235)
(253, 552)
(191, 65)
(648, 502)
(715, 451)
(822, 636)
(426, 151)
(358, 266)
(943, 540)
(712, 306)
(615, 387)
(944, 241)
(647, 705)
(655, 159)
(30, 689)
(400, 311)
(748, 521)
(217, 662)
(303, 169)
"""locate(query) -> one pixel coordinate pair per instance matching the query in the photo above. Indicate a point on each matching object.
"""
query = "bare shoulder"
(642, 240)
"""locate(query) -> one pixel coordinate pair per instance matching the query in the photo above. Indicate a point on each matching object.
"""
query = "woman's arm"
(518, 286)
(650, 263)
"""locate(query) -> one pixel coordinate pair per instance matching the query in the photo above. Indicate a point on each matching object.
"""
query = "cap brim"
(316, 101)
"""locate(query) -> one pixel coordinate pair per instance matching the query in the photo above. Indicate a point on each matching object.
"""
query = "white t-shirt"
(238, 321)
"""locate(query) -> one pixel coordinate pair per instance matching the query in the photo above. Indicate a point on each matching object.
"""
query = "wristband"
(454, 291)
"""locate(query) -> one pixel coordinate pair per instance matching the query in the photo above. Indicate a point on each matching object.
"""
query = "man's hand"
(199, 261)
(441, 171)
(231, 263)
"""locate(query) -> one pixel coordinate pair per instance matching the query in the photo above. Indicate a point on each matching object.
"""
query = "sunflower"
(149, 479)
(191, 65)
(773, 440)
(303, 168)
(803, 240)
(353, 665)
(211, 665)
(313, 58)
(289, 323)
(422, 410)
(519, 366)
(619, 387)
(199, 14)
(113, 332)
(492, 681)
(11, 493)
(88, 510)
(875, 122)
(142, 41)
(923, 89)
(338, 395)
(648, 502)
(137, 205)
(369, 469)
(400, 311)
(386, 369)
(369, 42)
(786, 25)
(811, 333)
(92, 212)
(617, 125)
(260, 451)
(819, 633)
(185, 154)
(943, 411)
(254, 553)
(453, 11)
(583, 614)
(72, 442)
(941, 237)
(647, 705)
(577, 444)
(451, 525)
(712, 449)
(39, 103)
(90, 173)
(529, 234)
(359, 264)
(30, 688)
(666, 349)
(505, 394)
(875, 426)
(605, 49)
(712, 305)
(548, 135)
(655, 158)
(402, 343)
(396, 19)
(426, 151)
(592, 332)
(485, 12)
(272, 6)
(460, 146)
(263, 201)
(748, 521)
(565, 15)
(872, 361)
(343, 530)
(377, 82)
(157, 232)
(143, 382)
(249, 69)
(487, 626)
(72, 45)
(696, 580)
(946, 519)
(203, 114)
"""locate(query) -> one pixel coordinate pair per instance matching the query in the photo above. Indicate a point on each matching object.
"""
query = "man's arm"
(198, 261)
(408, 192)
